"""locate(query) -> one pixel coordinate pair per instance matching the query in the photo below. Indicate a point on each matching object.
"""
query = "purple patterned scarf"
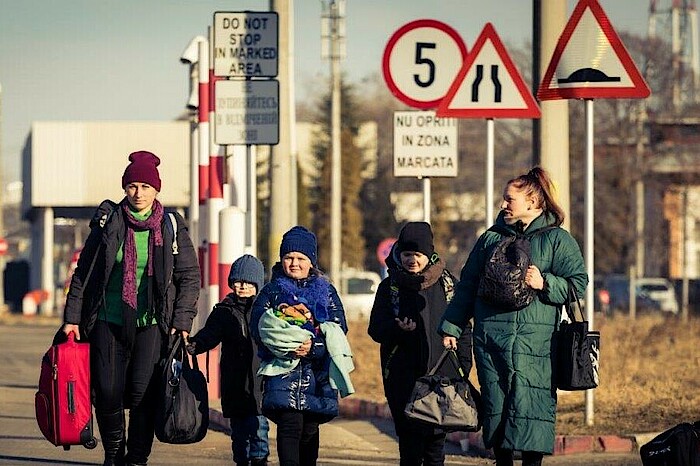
(152, 223)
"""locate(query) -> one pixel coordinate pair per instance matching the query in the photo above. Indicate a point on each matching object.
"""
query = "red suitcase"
(62, 403)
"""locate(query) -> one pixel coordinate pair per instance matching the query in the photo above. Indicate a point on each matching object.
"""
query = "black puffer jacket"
(240, 385)
(406, 356)
(176, 279)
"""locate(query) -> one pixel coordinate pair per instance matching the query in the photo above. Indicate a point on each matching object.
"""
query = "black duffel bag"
(446, 403)
(182, 414)
(677, 446)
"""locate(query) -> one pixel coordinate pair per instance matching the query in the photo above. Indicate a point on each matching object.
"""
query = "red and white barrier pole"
(204, 306)
(215, 201)
(232, 223)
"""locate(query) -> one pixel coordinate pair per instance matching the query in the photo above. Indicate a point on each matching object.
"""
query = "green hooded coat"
(513, 349)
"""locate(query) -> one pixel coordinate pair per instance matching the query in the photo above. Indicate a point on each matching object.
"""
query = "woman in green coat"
(513, 348)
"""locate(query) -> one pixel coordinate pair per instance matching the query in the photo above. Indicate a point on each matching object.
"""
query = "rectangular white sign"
(246, 112)
(246, 44)
(424, 145)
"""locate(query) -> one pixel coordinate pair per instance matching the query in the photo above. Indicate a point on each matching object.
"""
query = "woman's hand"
(303, 350)
(534, 278)
(185, 334)
(407, 325)
(67, 328)
(449, 342)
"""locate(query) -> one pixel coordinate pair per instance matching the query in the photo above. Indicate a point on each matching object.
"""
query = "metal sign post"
(590, 62)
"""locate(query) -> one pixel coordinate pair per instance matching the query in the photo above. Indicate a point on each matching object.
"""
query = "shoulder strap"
(448, 284)
(103, 213)
(394, 291)
(172, 224)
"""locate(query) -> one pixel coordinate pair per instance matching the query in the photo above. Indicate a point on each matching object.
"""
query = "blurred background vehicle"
(653, 294)
(357, 290)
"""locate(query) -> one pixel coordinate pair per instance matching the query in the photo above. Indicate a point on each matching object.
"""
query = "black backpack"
(678, 446)
(502, 282)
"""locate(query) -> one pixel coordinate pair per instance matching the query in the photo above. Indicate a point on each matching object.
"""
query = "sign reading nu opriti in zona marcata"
(424, 145)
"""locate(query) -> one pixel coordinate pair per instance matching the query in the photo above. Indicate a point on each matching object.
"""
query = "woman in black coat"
(136, 282)
(404, 321)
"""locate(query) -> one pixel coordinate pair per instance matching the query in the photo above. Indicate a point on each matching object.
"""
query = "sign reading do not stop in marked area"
(246, 44)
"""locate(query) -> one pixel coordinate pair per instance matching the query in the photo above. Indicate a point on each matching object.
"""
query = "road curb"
(13, 318)
(358, 408)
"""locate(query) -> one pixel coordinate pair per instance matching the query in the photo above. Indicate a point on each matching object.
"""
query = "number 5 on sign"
(421, 60)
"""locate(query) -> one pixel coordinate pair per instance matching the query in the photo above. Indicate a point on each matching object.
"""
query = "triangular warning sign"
(488, 85)
(590, 61)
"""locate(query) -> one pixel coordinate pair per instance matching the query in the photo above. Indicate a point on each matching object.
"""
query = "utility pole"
(551, 148)
(333, 48)
(283, 163)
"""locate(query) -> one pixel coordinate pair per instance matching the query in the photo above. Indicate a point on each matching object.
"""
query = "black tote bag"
(182, 414)
(577, 350)
(445, 403)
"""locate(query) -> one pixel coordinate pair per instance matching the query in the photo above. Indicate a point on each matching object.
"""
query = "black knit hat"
(416, 236)
(249, 269)
(299, 239)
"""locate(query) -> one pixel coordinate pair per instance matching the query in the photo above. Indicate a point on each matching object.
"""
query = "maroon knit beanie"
(142, 169)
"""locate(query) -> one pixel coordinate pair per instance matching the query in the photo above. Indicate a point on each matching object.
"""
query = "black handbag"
(182, 414)
(443, 402)
(678, 445)
(577, 349)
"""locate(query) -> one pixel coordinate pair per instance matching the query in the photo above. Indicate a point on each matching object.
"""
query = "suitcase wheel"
(91, 443)
(66, 447)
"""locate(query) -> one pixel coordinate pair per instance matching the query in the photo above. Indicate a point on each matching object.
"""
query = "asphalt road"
(343, 441)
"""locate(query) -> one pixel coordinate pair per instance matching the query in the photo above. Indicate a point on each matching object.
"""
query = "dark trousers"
(121, 376)
(418, 446)
(505, 457)
(249, 438)
(420, 449)
(297, 438)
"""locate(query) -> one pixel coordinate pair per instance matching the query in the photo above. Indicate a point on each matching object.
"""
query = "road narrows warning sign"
(488, 85)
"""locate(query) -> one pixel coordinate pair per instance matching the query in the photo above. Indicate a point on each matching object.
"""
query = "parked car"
(653, 294)
(659, 290)
(357, 290)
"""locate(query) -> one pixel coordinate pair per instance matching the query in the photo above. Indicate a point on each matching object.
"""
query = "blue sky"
(119, 59)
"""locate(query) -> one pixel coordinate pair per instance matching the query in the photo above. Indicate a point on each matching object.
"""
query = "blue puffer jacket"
(307, 386)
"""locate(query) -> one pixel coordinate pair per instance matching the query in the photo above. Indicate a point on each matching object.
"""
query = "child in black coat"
(240, 386)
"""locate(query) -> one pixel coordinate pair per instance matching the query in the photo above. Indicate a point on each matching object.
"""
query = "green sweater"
(112, 308)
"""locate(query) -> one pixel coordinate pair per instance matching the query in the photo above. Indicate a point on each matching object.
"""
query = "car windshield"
(360, 286)
(654, 288)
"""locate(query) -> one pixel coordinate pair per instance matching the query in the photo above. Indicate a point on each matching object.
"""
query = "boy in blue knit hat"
(240, 386)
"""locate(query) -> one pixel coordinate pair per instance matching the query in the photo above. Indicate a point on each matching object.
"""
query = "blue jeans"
(249, 438)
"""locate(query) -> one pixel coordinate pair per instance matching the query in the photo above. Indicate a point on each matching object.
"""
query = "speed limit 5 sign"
(421, 60)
